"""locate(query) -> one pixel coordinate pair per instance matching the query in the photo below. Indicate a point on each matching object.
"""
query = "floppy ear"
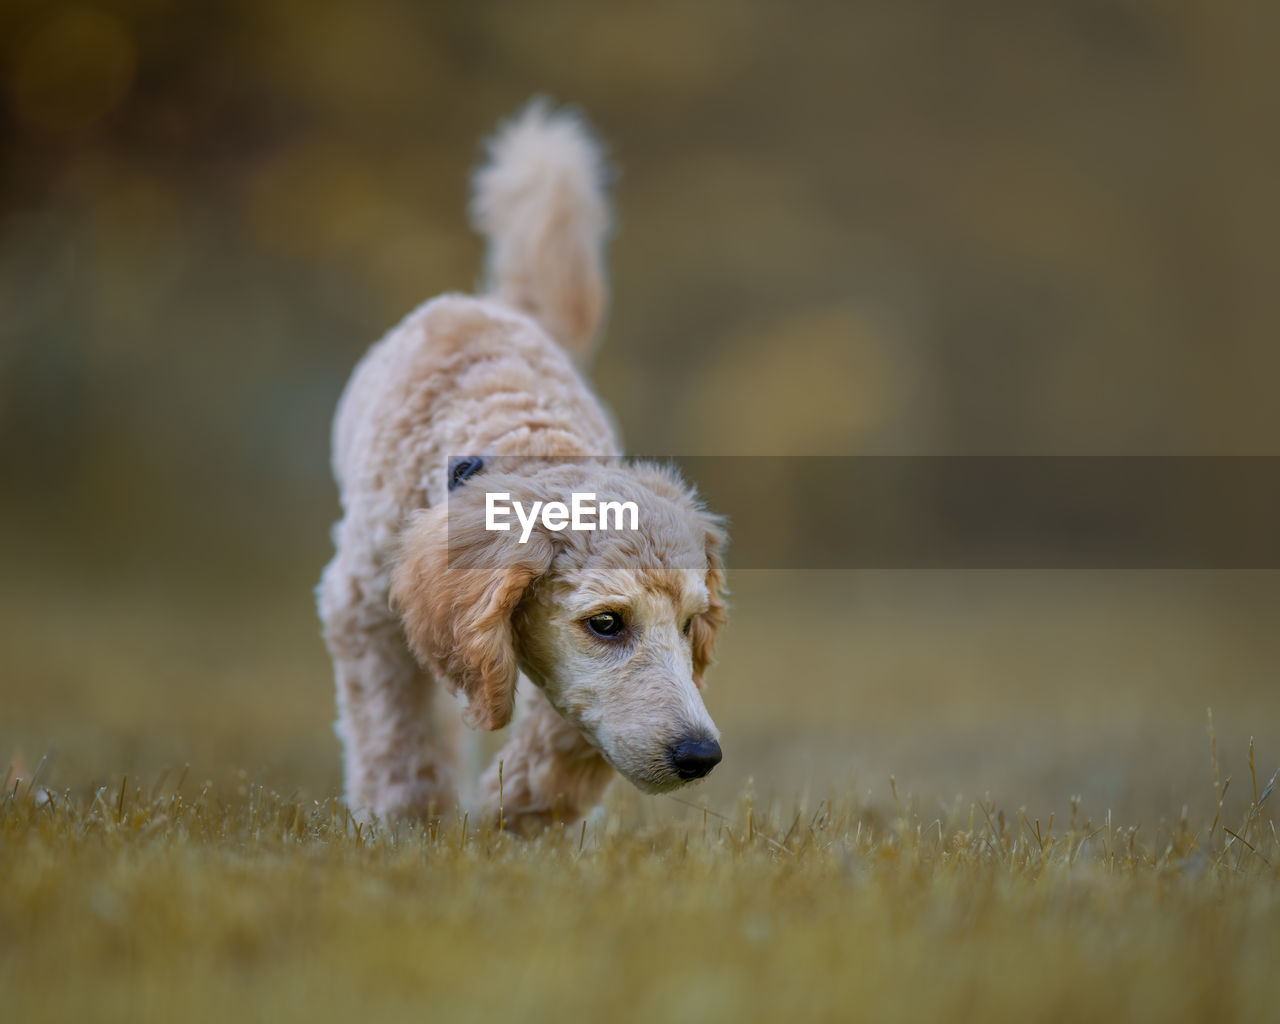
(706, 625)
(455, 587)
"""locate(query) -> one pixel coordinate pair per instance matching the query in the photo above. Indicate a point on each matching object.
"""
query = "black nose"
(695, 758)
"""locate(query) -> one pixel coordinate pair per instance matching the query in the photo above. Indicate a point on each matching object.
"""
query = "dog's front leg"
(394, 767)
(546, 772)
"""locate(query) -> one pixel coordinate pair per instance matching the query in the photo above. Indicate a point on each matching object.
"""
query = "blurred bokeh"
(854, 228)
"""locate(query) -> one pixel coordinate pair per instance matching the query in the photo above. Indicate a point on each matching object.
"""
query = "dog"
(606, 634)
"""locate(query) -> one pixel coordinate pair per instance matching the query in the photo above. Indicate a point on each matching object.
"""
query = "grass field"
(180, 902)
(976, 798)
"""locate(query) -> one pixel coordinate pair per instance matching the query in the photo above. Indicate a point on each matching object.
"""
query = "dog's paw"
(426, 793)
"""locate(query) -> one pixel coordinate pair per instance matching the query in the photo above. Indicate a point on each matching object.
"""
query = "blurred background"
(860, 228)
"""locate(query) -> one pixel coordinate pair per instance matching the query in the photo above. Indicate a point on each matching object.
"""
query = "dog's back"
(468, 374)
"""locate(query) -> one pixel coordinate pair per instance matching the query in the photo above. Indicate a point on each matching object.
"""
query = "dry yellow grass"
(176, 901)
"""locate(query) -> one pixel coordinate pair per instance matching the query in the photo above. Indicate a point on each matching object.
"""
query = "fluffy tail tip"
(539, 200)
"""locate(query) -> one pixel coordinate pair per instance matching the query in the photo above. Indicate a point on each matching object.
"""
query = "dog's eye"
(688, 625)
(605, 624)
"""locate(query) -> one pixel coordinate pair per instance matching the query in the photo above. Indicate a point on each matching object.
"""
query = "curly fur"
(418, 593)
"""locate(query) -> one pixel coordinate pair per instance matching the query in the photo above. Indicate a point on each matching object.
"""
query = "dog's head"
(616, 626)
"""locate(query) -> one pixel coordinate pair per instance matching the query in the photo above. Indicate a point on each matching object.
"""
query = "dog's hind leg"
(393, 766)
(549, 772)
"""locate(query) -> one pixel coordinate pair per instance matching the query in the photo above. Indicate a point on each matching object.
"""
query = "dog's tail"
(540, 202)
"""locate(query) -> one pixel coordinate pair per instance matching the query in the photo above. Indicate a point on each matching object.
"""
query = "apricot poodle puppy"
(606, 634)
